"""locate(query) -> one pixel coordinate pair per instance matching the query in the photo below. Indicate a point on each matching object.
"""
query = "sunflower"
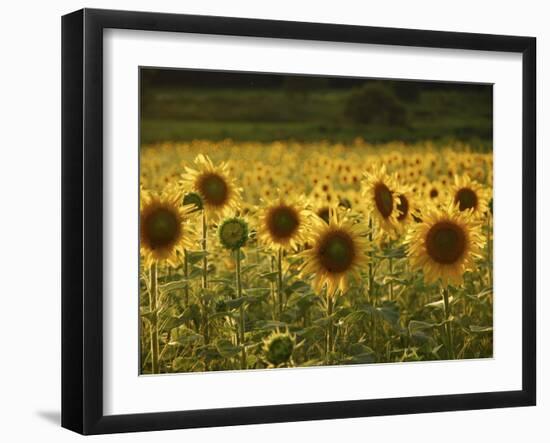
(407, 207)
(162, 227)
(278, 348)
(324, 194)
(194, 199)
(468, 194)
(436, 193)
(233, 233)
(324, 213)
(445, 245)
(214, 184)
(283, 223)
(381, 198)
(433, 191)
(338, 251)
(318, 206)
(321, 203)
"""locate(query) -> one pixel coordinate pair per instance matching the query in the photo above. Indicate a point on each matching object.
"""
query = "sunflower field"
(294, 254)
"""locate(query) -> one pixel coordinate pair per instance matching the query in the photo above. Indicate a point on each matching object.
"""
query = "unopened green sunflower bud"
(233, 233)
(278, 348)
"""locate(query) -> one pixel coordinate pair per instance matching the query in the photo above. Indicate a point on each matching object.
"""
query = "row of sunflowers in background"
(292, 254)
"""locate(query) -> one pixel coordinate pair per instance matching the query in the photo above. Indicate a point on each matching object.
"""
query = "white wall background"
(30, 205)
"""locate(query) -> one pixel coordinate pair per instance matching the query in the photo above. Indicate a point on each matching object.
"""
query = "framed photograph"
(269, 221)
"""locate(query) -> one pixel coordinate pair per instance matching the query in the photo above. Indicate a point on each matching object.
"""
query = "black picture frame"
(82, 219)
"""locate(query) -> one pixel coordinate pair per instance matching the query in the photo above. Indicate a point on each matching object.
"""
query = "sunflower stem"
(489, 251)
(186, 276)
(448, 328)
(372, 298)
(330, 308)
(241, 308)
(391, 277)
(280, 281)
(272, 286)
(204, 278)
(153, 296)
(371, 273)
(205, 259)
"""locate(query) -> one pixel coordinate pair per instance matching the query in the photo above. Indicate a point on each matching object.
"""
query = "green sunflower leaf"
(194, 257)
(227, 349)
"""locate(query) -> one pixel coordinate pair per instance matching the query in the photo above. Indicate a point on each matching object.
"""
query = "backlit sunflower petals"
(164, 228)
(215, 185)
(381, 199)
(445, 245)
(284, 223)
(336, 254)
(469, 195)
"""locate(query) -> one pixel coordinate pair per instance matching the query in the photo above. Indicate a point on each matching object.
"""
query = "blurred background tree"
(376, 102)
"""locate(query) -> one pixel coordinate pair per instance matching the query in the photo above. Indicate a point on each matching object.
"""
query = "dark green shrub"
(407, 91)
(375, 103)
(303, 85)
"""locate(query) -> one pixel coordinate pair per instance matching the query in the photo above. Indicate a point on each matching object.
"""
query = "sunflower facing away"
(163, 230)
(338, 251)
(468, 194)
(233, 233)
(381, 199)
(214, 185)
(283, 223)
(445, 245)
(278, 348)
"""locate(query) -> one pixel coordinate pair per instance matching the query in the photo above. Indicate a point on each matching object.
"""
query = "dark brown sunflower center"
(445, 242)
(434, 193)
(324, 213)
(403, 207)
(466, 199)
(160, 228)
(383, 199)
(213, 188)
(337, 252)
(282, 222)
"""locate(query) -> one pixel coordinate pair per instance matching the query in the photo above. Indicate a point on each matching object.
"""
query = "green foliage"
(304, 85)
(366, 329)
(407, 91)
(178, 114)
(376, 103)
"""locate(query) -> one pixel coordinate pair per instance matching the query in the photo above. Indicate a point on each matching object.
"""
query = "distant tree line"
(405, 90)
